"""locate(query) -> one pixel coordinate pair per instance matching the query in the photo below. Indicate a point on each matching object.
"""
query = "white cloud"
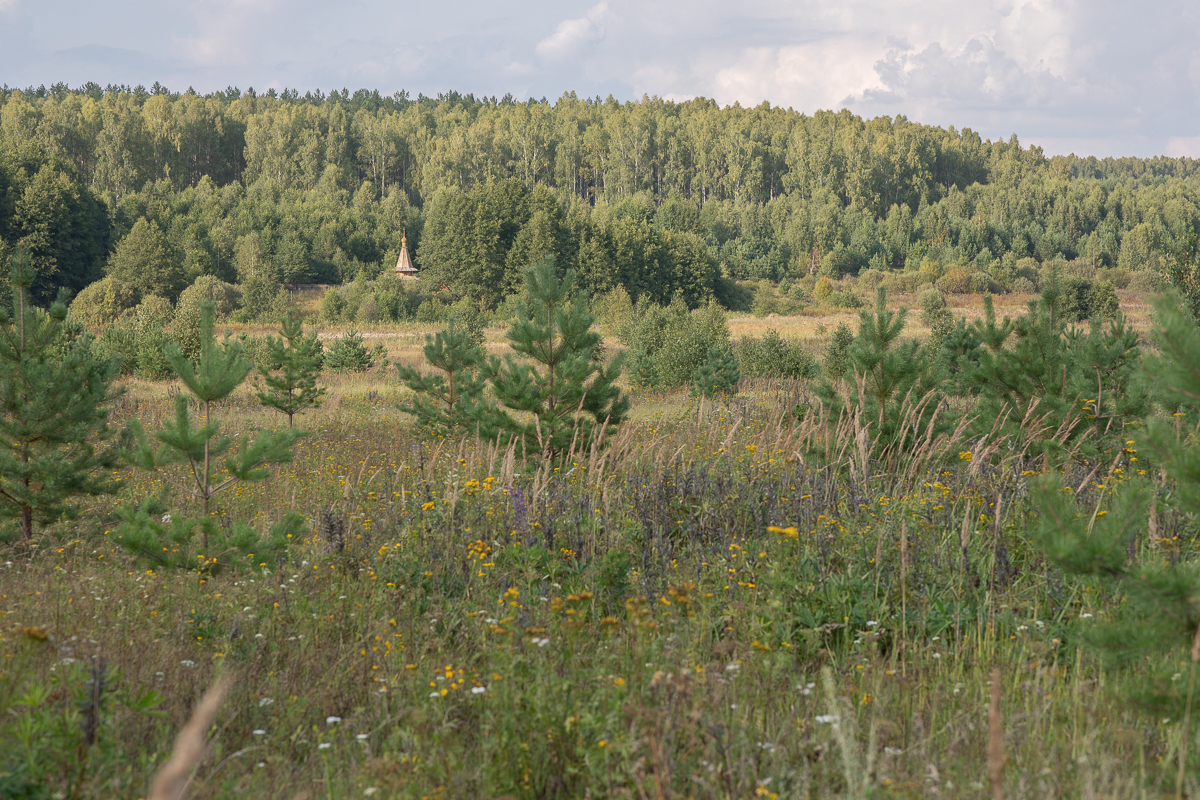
(823, 74)
(1179, 146)
(572, 34)
(8, 6)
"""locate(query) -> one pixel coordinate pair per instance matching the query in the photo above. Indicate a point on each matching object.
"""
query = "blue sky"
(1099, 78)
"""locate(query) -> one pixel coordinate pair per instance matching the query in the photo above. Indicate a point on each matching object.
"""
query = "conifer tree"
(568, 391)
(219, 369)
(897, 377)
(1035, 377)
(54, 392)
(292, 385)
(1156, 625)
(718, 375)
(443, 401)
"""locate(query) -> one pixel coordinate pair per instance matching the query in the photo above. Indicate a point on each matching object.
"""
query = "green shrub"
(186, 324)
(1102, 299)
(118, 342)
(686, 340)
(348, 354)
(1146, 282)
(433, 311)
(823, 289)
(465, 316)
(774, 356)
(717, 375)
(260, 298)
(978, 283)
(956, 280)
(765, 301)
(613, 309)
(931, 301)
(103, 302)
(837, 352)
(844, 299)
(1023, 286)
(332, 306)
(1117, 276)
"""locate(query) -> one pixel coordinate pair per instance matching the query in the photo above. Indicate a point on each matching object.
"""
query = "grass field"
(701, 609)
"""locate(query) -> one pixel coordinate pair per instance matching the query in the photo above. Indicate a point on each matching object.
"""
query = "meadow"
(722, 602)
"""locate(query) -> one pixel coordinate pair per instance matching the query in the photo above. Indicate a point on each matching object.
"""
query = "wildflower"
(188, 663)
(332, 720)
(825, 719)
(362, 737)
(478, 689)
(258, 732)
(324, 746)
(266, 701)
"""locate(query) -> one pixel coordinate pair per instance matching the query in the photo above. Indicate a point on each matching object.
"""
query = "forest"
(659, 197)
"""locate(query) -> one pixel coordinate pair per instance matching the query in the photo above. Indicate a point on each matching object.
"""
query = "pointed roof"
(404, 265)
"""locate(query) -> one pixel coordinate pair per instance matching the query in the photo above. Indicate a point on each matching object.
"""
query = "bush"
(186, 324)
(1102, 299)
(103, 302)
(931, 301)
(465, 316)
(774, 356)
(368, 310)
(823, 289)
(613, 309)
(332, 306)
(717, 375)
(957, 280)
(844, 299)
(668, 344)
(1023, 286)
(118, 343)
(433, 311)
(348, 354)
(979, 283)
(837, 352)
(1146, 282)
(1118, 277)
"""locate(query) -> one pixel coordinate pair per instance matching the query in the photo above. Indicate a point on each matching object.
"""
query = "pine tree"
(893, 383)
(569, 392)
(443, 402)
(292, 386)
(1155, 626)
(1043, 384)
(718, 375)
(349, 354)
(219, 369)
(54, 392)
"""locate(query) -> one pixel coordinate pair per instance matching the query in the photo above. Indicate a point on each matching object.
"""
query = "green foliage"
(669, 344)
(774, 356)
(167, 539)
(103, 302)
(569, 393)
(718, 375)
(294, 364)
(890, 382)
(347, 353)
(837, 352)
(145, 260)
(1158, 621)
(466, 317)
(332, 306)
(224, 298)
(1045, 387)
(444, 402)
(55, 443)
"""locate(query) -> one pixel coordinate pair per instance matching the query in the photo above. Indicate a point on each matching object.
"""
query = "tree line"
(658, 196)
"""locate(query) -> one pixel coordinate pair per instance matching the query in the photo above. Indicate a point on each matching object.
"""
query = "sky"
(1102, 78)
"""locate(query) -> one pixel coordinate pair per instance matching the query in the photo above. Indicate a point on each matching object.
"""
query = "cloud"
(573, 34)
(823, 74)
(1179, 146)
